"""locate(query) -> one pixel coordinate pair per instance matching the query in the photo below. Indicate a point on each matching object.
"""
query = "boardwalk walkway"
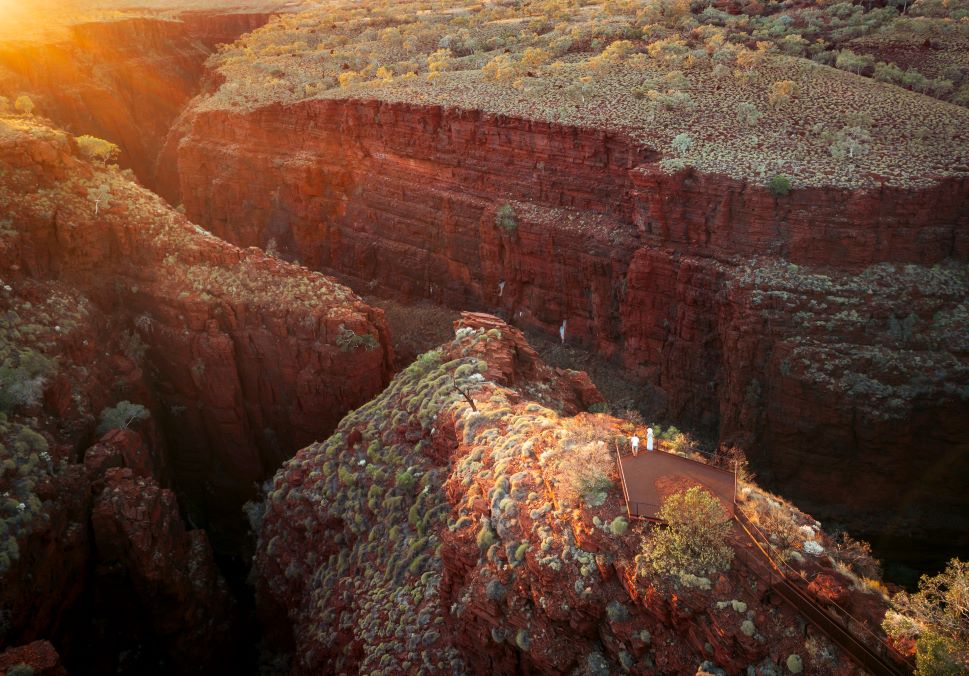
(650, 477)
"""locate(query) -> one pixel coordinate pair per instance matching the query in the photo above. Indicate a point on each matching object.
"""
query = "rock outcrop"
(649, 268)
(251, 357)
(347, 168)
(120, 313)
(432, 534)
(164, 575)
(40, 657)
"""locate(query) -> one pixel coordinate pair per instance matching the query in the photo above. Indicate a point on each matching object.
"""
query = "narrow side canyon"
(124, 80)
(217, 364)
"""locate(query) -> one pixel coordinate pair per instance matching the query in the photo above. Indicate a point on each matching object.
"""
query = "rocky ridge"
(110, 297)
(125, 80)
(431, 535)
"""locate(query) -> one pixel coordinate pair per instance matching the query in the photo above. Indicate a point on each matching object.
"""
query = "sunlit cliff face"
(22, 19)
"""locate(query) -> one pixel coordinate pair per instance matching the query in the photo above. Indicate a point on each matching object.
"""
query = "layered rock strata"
(120, 313)
(656, 270)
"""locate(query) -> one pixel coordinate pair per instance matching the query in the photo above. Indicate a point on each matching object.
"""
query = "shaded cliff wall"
(240, 358)
(640, 265)
(244, 352)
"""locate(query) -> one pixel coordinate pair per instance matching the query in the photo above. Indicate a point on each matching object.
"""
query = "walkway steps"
(881, 662)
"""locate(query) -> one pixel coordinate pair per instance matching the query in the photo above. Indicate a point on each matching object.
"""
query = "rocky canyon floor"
(324, 325)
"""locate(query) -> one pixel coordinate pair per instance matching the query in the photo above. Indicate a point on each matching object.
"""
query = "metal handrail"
(625, 491)
(790, 575)
(634, 507)
(622, 481)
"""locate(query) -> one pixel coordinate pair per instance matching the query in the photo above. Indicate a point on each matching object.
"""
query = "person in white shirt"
(634, 442)
(649, 438)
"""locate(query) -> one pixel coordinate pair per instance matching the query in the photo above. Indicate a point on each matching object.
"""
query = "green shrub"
(682, 142)
(935, 655)
(505, 218)
(599, 407)
(22, 377)
(428, 361)
(347, 340)
(24, 104)
(21, 669)
(936, 616)
(619, 526)
(486, 536)
(584, 472)
(121, 416)
(347, 478)
(695, 539)
(495, 590)
(94, 148)
(779, 186)
(617, 612)
(404, 480)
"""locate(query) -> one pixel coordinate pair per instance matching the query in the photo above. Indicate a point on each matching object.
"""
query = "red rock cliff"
(427, 535)
(125, 81)
(646, 267)
(245, 350)
(238, 358)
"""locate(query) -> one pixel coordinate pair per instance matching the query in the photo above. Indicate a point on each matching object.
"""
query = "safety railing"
(853, 635)
(646, 510)
(643, 510)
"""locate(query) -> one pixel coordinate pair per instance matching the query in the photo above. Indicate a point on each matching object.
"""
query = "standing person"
(649, 438)
(634, 442)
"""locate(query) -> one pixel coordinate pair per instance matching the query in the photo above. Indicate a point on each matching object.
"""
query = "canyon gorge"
(754, 316)
(192, 319)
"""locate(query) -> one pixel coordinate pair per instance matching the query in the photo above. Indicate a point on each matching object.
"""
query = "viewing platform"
(651, 476)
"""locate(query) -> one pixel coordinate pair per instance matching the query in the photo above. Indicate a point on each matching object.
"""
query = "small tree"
(782, 91)
(534, 57)
(856, 63)
(121, 416)
(505, 218)
(584, 471)
(695, 539)
(347, 340)
(24, 104)
(101, 196)
(937, 618)
(94, 148)
(464, 392)
(502, 68)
